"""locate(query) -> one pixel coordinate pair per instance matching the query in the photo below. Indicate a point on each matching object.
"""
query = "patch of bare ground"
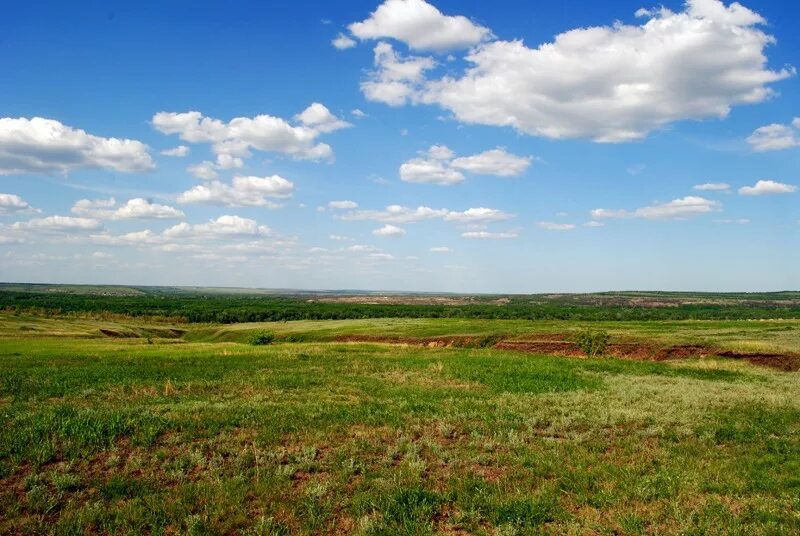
(785, 362)
(557, 345)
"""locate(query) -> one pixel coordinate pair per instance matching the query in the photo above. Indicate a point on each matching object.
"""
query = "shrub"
(261, 338)
(592, 342)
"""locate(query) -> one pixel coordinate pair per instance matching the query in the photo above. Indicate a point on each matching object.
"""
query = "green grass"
(206, 434)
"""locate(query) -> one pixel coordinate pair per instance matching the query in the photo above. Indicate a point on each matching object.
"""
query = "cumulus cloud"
(775, 137)
(389, 230)
(609, 83)
(13, 204)
(395, 80)
(767, 187)
(204, 170)
(344, 204)
(40, 145)
(318, 118)
(420, 25)
(137, 208)
(58, 224)
(712, 187)
(227, 233)
(552, 226)
(429, 171)
(343, 42)
(685, 207)
(493, 162)
(236, 138)
(358, 113)
(220, 228)
(243, 191)
(438, 165)
(486, 235)
(179, 151)
(401, 214)
(440, 249)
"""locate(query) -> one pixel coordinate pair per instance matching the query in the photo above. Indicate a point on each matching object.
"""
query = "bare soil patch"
(785, 362)
(554, 344)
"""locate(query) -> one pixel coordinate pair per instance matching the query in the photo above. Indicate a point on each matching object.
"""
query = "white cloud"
(361, 248)
(775, 137)
(552, 226)
(204, 170)
(396, 214)
(609, 213)
(389, 230)
(237, 137)
(137, 208)
(438, 165)
(440, 249)
(420, 25)
(440, 152)
(344, 204)
(684, 207)
(10, 240)
(395, 80)
(486, 235)
(429, 171)
(318, 118)
(340, 238)
(678, 209)
(343, 42)
(243, 191)
(401, 214)
(494, 162)
(740, 221)
(13, 204)
(765, 187)
(612, 83)
(40, 145)
(101, 255)
(58, 224)
(358, 113)
(712, 187)
(593, 223)
(179, 151)
(479, 214)
(381, 256)
(223, 227)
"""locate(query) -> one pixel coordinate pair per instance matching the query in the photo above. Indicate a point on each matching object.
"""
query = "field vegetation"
(129, 425)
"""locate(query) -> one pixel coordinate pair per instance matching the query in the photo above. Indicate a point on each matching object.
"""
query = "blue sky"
(522, 147)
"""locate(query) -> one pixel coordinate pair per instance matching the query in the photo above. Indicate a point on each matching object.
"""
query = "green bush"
(261, 338)
(592, 342)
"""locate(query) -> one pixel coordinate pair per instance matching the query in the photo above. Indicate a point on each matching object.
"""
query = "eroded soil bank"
(558, 344)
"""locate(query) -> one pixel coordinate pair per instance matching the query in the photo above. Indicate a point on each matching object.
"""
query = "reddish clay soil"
(555, 344)
(785, 362)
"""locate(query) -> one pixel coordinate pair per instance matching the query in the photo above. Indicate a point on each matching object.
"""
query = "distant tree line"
(228, 309)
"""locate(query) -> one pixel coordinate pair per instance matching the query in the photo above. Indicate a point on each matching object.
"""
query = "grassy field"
(122, 426)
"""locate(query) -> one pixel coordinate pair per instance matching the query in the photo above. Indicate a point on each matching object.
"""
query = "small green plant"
(261, 338)
(592, 342)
